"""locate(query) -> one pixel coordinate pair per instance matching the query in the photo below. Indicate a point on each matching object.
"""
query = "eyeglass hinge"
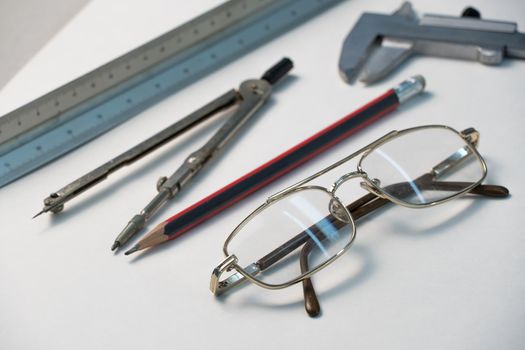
(471, 135)
(218, 287)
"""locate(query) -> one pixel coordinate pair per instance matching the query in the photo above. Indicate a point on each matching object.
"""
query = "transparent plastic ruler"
(77, 112)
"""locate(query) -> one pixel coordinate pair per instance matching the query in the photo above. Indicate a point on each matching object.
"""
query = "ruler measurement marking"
(133, 81)
(98, 73)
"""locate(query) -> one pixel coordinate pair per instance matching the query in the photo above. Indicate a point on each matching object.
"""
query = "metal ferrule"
(409, 88)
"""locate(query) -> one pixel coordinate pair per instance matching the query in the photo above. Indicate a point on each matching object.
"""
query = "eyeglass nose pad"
(338, 211)
(367, 187)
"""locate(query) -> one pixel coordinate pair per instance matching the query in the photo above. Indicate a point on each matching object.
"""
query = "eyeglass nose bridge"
(368, 184)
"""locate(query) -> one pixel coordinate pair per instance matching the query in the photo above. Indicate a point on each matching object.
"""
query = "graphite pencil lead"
(132, 250)
(115, 245)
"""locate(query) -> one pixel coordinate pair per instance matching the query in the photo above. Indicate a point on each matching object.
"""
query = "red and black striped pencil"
(218, 201)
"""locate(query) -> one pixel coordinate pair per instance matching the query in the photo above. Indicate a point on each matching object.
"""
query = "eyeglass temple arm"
(289, 246)
(219, 287)
(369, 203)
(358, 208)
(311, 303)
(470, 135)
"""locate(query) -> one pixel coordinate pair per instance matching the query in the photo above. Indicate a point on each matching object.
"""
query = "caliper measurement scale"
(77, 112)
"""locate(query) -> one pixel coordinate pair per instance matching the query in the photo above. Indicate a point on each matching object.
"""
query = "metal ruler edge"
(88, 106)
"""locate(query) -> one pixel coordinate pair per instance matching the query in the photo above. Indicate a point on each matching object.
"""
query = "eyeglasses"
(303, 228)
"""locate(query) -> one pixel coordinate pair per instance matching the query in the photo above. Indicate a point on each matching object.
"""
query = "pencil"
(239, 189)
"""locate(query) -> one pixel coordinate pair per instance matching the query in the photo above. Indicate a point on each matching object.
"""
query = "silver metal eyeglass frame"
(471, 138)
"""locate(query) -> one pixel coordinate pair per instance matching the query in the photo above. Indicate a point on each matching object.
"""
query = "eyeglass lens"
(424, 166)
(271, 241)
(419, 167)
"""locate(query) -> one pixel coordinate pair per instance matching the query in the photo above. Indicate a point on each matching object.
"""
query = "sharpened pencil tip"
(132, 250)
(115, 245)
(40, 213)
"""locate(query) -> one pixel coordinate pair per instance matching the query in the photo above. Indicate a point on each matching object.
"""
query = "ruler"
(77, 112)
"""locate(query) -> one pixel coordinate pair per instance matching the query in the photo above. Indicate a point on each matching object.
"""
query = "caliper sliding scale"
(379, 43)
(77, 112)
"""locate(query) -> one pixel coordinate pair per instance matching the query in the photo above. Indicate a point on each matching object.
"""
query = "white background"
(444, 278)
(25, 27)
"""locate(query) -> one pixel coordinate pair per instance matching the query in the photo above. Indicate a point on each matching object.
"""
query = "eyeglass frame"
(471, 138)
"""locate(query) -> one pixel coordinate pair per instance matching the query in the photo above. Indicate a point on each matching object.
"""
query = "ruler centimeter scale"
(77, 112)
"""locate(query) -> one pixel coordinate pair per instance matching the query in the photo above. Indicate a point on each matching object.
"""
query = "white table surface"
(446, 278)
(20, 38)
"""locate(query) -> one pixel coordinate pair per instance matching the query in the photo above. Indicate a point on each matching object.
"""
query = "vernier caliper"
(379, 43)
